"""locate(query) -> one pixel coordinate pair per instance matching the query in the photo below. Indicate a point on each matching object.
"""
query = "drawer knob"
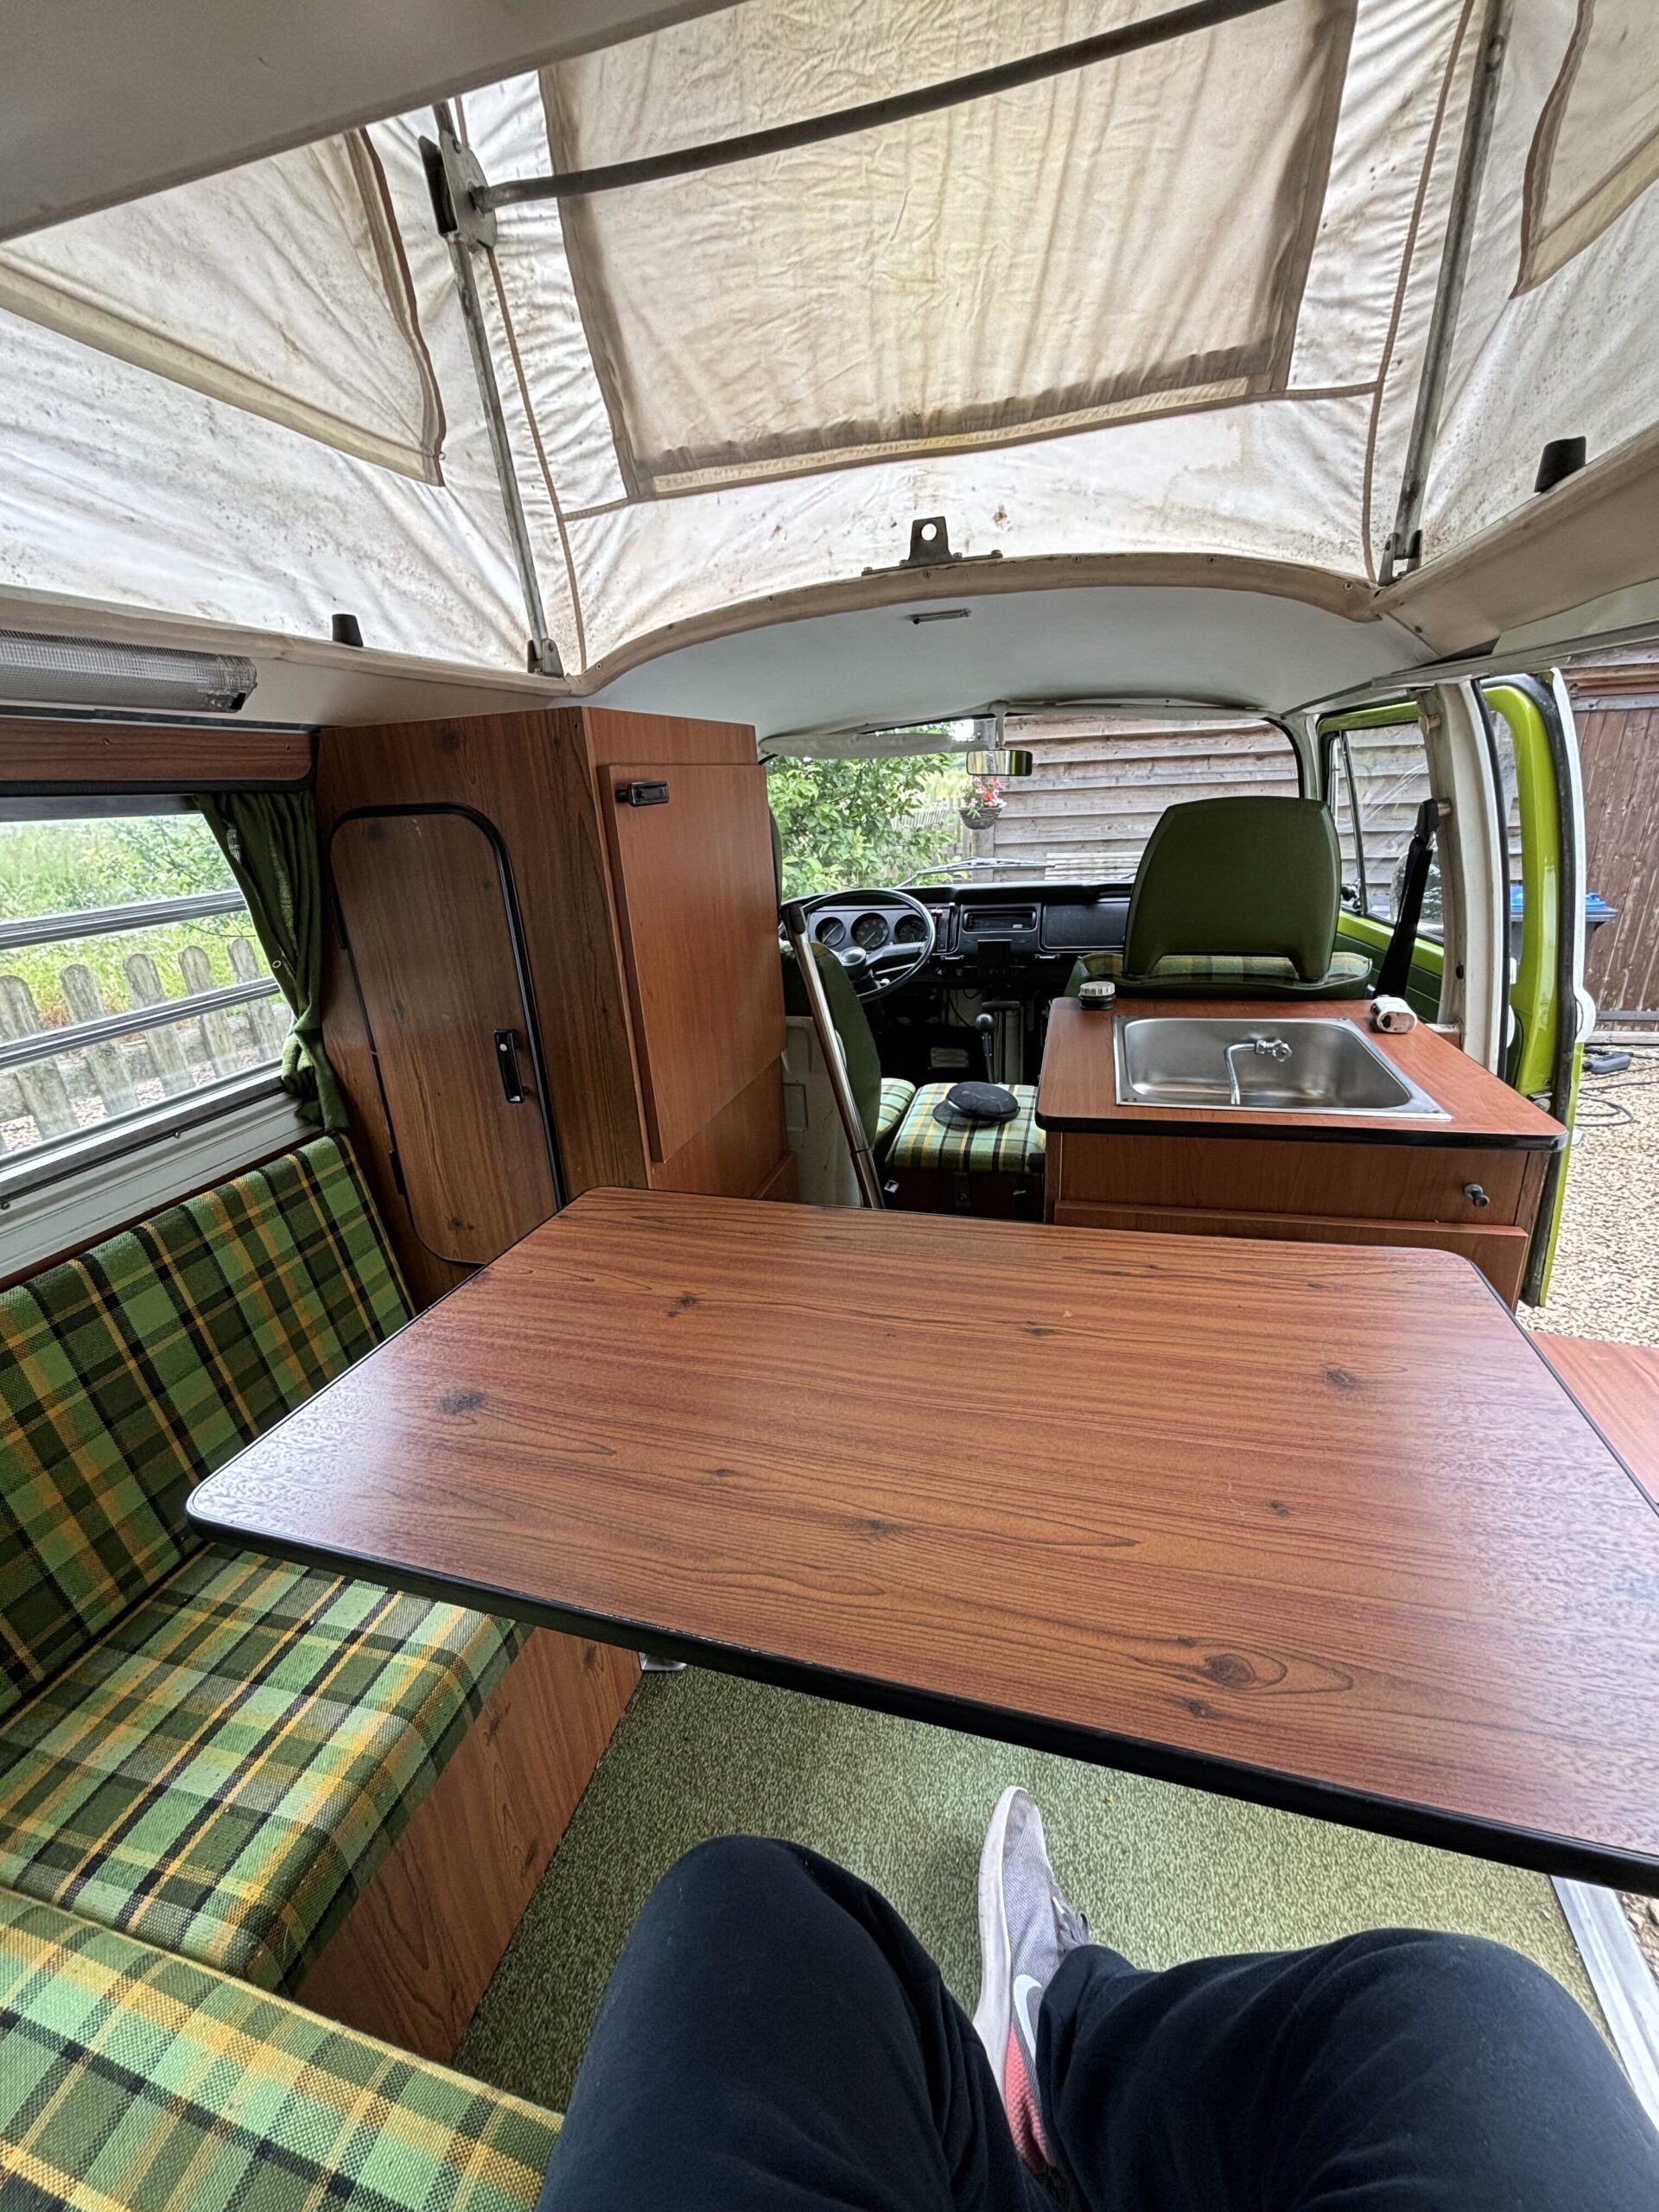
(1475, 1195)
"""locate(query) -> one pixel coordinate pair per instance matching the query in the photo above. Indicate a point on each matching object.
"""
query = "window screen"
(1034, 262)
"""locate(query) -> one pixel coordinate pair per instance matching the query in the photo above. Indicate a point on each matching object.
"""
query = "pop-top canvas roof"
(1160, 318)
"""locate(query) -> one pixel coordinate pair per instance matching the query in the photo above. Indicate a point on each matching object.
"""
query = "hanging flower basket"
(984, 802)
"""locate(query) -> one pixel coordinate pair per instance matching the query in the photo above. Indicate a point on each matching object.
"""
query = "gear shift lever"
(985, 1025)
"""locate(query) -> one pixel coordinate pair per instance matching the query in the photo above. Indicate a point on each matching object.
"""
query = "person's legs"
(774, 2036)
(774, 2039)
(1398, 2071)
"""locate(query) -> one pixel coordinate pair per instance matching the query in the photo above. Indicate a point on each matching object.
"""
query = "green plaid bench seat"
(132, 2082)
(224, 1769)
(213, 1750)
(1015, 1147)
(1348, 977)
(896, 1095)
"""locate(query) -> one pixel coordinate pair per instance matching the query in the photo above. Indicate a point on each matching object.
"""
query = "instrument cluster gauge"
(831, 930)
(909, 930)
(870, 931)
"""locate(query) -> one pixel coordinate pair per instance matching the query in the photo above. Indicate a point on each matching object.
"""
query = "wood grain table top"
(1315, 1525)
(1078, 1089)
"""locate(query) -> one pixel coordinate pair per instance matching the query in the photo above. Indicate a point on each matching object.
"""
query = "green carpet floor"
(1163, 1873)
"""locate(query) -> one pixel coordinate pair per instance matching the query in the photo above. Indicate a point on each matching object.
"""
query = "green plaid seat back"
(128, 1373)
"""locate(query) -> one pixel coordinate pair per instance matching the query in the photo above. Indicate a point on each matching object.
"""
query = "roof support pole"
(1404, 550)
(451, 175)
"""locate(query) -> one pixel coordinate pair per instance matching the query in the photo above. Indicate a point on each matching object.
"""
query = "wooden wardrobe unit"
(552, 963)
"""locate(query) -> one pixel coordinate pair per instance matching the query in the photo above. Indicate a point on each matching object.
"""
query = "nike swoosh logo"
(1027, 1988)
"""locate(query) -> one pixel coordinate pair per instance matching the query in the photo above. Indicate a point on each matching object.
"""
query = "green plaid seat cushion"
(896, 1095)
(1346, 977)
(128, 1373)
(1015, 1147)
(136, 2082)
(224, 1769)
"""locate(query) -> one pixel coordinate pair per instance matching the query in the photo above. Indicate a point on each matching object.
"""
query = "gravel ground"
(1606, 1278)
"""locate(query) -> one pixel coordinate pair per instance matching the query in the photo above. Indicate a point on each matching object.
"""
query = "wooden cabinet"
(596, 886)
(1471, 1185)
(691, 871)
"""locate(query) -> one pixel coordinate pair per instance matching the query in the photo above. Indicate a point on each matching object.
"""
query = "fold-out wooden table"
(1314, 1525)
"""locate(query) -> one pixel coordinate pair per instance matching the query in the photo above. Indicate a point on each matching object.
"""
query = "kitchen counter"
(1471, 1183)
(1079, 1087)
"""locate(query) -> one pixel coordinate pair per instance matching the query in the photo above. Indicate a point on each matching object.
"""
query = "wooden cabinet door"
(430, 924)
(697, 910)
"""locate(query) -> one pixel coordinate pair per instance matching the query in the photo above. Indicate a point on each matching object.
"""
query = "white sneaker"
(1025, 1928)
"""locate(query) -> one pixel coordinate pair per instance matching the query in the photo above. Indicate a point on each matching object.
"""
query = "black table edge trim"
(1535, 1851)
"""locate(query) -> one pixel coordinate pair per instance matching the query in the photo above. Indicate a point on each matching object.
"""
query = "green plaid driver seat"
(136, 2082)
(210, 1750)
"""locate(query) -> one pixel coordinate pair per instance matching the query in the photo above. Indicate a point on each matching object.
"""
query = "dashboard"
(976, 925)
(870, 928)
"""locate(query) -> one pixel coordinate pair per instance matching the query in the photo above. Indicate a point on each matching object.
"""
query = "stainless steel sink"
(1309, 1066)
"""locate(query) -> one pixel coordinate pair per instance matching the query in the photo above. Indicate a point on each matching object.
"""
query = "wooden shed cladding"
(1099, 783)
(1616, 706)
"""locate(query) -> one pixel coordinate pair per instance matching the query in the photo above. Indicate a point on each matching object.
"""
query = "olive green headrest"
(1238, 876)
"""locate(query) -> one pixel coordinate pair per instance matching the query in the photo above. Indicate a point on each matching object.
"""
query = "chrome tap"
(1267, 1048)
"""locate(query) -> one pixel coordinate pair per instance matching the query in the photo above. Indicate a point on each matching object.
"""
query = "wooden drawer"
(1500, 1253)
(1245, 1175)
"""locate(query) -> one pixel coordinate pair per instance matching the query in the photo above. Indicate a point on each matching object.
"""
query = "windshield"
(1098, 785)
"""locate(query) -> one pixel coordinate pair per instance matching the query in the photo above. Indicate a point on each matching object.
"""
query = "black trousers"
(775, 2039)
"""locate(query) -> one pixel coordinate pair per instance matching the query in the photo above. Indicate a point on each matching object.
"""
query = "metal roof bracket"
(455, 179)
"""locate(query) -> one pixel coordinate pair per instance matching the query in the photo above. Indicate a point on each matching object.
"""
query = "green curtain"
(270, 838)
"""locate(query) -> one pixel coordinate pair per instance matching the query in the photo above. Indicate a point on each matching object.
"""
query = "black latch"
(506, 1058)
(642, 794)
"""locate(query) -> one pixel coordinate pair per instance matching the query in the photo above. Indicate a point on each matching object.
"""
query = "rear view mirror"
(1004, 760)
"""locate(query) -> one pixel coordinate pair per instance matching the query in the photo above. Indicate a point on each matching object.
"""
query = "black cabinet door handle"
(506, 1058)
(642, 794)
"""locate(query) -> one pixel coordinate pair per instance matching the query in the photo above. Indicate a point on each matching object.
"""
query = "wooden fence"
(212, 1032)
(1616, 707)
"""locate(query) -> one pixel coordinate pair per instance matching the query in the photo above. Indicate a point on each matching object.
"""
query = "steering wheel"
(885, 968)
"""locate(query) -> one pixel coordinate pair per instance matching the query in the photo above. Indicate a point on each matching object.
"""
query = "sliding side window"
(131, 978)
(1377, 778)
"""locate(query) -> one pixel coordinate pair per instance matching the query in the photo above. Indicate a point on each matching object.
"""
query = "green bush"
(65, 868)
(847, 823)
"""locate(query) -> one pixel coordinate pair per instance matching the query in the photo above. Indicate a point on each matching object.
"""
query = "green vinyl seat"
(881, 1099)
(1239, 898)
